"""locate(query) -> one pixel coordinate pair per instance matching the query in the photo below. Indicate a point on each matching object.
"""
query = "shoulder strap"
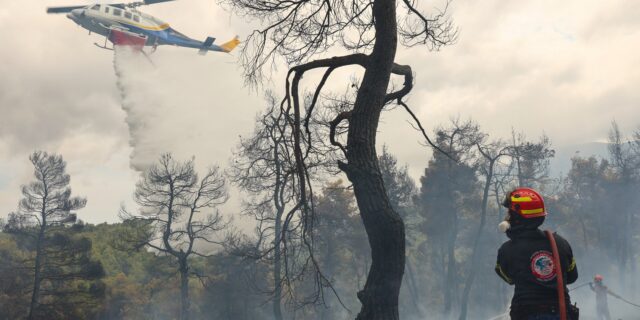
(556, 264)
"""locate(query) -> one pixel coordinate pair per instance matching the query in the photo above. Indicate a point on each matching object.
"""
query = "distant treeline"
(179, 259)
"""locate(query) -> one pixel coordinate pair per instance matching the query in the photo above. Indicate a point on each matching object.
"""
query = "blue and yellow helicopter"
(123, 25)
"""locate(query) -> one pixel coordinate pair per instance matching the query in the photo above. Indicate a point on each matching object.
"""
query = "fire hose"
(556, 257)
(580, 286)
(613, 294)
(629, 302)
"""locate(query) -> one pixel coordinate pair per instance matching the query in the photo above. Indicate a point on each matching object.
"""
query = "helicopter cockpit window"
(96, 7)
(117, 12)
(136, 18)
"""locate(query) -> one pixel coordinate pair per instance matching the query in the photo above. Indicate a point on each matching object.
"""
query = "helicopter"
(123, 25)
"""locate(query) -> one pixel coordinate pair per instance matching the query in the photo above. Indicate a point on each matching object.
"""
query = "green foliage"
(134, 278)
(70, 278)
(15, 279)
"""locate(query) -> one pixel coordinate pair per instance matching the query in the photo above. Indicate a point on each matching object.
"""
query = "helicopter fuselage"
(105, 19)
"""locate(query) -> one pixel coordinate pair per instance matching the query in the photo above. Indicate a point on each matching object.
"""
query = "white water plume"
(182, 103)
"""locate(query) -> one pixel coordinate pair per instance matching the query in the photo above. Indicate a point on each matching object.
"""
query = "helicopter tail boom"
(206, 45)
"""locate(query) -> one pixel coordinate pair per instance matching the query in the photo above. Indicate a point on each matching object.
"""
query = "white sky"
(565, 68)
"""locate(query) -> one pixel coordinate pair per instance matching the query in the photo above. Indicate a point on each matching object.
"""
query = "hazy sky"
(564, 68)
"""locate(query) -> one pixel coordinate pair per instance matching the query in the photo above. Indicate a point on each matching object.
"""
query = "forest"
(181, 258)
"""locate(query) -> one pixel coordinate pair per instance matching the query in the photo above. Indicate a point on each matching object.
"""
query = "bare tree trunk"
(37, 277)
(384, 226)
(413, 288)
(280, 206)
(184, 289)
(325, 314)
(585, 234)
(474, 255)
(277, 268)
(450, 283)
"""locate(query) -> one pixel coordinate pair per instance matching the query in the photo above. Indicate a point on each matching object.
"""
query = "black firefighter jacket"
(526, 261)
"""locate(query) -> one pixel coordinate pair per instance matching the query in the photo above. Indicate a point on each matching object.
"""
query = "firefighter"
(602, 306)
(526, 260)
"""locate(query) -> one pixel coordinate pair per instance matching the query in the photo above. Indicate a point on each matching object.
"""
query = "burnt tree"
(46, 203)
(262, 167)
(299, 30)
(531, 159)
(178, 216)
(490, 153)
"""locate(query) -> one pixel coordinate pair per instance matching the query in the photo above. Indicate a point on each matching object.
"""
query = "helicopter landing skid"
(104, 46)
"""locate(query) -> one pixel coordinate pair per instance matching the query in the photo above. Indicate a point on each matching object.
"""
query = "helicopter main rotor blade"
(122, 5)
(155, 1)
(145, 2)
(63, 9)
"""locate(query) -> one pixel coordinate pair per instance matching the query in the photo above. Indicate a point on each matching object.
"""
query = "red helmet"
(526, 202)
(598, 278)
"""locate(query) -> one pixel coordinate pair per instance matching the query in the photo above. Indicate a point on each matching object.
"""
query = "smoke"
(182, 103)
